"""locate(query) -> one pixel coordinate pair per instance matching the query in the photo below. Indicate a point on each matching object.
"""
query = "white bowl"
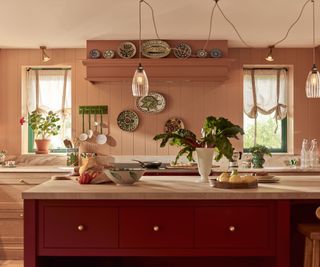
(124, 176)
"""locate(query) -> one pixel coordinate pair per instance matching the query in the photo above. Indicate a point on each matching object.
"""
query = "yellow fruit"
(235, 179)
(224, 177)
(249, 179)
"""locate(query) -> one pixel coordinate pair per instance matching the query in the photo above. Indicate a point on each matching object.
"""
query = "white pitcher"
(204, 159)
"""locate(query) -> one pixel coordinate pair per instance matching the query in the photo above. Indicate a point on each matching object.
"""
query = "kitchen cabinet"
(154, 228)
(12, 184)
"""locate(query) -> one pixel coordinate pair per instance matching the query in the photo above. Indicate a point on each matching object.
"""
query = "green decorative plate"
(152, 103)
(128, 120)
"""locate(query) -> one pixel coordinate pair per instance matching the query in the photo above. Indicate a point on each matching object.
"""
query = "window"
(50, 89)
(265, 108)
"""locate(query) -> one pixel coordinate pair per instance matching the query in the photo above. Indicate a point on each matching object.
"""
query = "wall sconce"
(269, 57)
(44, 55)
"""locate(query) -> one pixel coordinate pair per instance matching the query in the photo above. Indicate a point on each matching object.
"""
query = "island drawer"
(156, 227)
(78, 227)
(238, 227)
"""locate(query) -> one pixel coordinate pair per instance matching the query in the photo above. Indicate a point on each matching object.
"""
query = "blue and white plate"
(216, 53)
(94, 54)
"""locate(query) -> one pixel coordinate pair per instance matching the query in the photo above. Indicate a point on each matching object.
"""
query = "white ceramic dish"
(125, 176)
(268, 179)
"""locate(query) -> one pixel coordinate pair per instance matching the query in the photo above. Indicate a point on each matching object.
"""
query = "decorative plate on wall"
(152, 103)
(128, 120)
(202, 53)
(155, 49)
(216, 53)
(173, 124)
(94, 54)
(182, 50)
(108, 54)
(126, 50)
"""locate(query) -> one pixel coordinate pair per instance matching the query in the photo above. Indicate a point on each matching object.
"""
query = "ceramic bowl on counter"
(124, 176)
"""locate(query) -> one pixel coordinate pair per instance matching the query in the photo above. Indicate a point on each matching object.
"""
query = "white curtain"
(50, 89)
(265, 92)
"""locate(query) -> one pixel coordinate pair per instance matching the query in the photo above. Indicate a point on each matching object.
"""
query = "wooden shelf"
(191, 69)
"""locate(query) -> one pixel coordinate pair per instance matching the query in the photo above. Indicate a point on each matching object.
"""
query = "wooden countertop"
(176, 187)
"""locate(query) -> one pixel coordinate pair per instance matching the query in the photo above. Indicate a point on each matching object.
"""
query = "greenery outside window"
(265, 108)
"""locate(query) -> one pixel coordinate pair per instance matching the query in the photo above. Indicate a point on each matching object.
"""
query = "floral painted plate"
(126, 50)
(202, 53)
(182, 50)
(128, 120)
(152, 103)
(173, 124)
(108, 54)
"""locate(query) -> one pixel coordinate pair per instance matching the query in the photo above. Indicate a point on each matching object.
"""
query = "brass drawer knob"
(232, 228)
(156, 228)
(318, 212)
(80, 227)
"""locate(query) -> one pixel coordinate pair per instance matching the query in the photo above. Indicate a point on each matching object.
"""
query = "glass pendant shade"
(313, 83)
(140, 84)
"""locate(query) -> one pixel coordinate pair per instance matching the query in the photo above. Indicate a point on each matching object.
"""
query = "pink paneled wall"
(191, 101)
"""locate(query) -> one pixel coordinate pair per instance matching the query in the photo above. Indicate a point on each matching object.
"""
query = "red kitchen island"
(167, 221)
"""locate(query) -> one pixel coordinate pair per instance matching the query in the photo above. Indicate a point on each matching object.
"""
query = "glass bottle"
(314, 154)
(305, 159)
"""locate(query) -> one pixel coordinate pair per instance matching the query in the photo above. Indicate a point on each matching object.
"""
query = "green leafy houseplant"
(44, 126)
(215, 134)
(258, 152)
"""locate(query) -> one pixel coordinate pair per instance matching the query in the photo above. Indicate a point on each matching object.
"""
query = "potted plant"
(215, 137)
(258, 152)
(3, 154)
(43, 126)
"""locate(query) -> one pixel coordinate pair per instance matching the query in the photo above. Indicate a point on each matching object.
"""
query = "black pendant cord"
(140, 49)
(313, 34)
(292, 24)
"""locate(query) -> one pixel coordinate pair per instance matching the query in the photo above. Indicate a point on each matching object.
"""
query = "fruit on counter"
(248, 179)
(224, 177)
(235, 177)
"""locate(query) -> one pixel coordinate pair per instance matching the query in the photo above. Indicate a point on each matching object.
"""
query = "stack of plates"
(268, 179)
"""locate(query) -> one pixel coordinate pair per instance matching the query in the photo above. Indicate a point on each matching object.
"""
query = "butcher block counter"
(167, 221)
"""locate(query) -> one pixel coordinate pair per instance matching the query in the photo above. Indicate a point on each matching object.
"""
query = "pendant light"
(313, 80)
(140, 83)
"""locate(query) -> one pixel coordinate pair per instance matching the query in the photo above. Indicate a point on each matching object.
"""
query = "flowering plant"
(43, 125)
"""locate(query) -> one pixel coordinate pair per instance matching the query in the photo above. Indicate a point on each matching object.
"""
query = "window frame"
(284, 122)
(30, 139)
(284, 139)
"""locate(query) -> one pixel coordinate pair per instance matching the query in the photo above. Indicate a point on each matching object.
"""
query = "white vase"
(204, 159)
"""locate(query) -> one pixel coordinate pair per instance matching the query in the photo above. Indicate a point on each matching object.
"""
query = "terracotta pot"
(42, 146)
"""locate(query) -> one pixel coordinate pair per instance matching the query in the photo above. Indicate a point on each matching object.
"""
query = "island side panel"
(30, 233)
(283, 234)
